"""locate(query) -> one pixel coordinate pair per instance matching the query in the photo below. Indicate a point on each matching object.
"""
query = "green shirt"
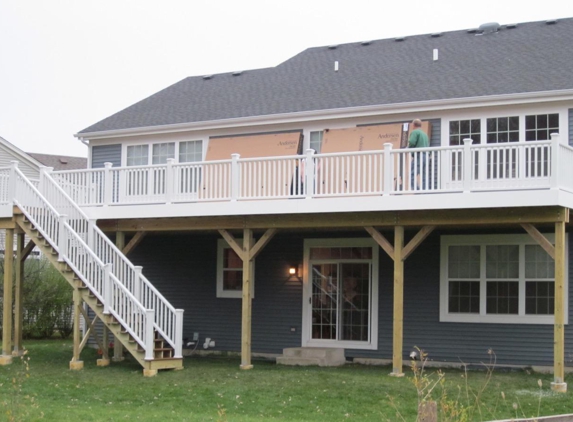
(418, 139)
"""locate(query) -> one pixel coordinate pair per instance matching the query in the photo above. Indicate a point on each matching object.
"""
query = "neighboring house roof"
(60, 162)
(524, 58)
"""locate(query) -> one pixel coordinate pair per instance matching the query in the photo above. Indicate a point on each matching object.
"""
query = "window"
(190, 175)
(462, 129)
(340, 299)
(503, 129)
(230, 272)
(190, 151)
(316, 141)
(161, 152)
(540, 127)
(497, 279)
(137, 155)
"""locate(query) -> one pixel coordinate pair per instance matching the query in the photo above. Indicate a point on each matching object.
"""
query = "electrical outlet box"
(195, 336)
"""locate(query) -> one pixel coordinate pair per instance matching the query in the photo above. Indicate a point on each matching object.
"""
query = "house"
(277, 208)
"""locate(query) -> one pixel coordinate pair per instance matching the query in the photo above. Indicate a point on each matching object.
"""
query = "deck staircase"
(139, 317)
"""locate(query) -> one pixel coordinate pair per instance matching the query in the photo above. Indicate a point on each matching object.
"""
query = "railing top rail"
(42, 198)
(78, 171)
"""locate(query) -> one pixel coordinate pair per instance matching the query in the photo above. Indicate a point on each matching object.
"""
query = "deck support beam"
(248, 251)
(76, 364)
(399, 253)
(6, 357)
(117, 345)
(557, 252)
(21, 256)
(559, 383)
(135, 240)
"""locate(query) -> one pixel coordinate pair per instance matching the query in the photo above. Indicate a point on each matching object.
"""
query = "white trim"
(229, 294)
(482, 317)
(306, 339)
(339, 113)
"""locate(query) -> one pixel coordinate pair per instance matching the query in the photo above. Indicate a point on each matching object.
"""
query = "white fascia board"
(461, 201)
(339, 113)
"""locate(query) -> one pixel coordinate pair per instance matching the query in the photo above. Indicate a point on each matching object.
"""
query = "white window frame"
(229, 294)
(307, 340)
(482, 317)
(150, 150)
(521, 112)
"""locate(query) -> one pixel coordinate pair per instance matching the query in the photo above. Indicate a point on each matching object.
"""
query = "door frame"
(306, 332)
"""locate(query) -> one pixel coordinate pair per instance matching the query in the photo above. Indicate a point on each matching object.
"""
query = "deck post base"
(102, 362)
(118, 359)
(149, 372)
(17, 353)
(396, 374)
(246, 367)
(76, 365)
(559, 387)
(5, 360)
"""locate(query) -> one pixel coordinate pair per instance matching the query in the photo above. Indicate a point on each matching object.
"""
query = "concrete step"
(304, 356)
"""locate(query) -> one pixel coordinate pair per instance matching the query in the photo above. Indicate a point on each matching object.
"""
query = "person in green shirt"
(418, 139)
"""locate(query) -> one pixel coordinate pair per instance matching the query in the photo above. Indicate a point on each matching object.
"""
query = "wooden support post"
(117, 346)
(104, 360)
(559, 383)
(247, 301)
(6, 357)
(398, 302)
(76, 363)
(18, 297)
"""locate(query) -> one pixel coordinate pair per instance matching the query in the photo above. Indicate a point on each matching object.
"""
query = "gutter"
(337, 113)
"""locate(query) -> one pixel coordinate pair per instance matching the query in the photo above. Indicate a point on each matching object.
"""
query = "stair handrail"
(79, 220)
(110, 290)
(168, 320)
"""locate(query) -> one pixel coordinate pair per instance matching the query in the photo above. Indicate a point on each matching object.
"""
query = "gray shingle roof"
(532, 57)
(60, 162)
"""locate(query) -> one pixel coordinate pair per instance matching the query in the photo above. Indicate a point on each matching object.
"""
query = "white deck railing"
(114, 280)
(464, 168)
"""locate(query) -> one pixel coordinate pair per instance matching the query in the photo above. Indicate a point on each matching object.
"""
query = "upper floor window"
(503, 129)
(137, 155)
(463, 129)
(535, 127)
(497, 278)
(540, 127)
(161, 152)
(190, 151)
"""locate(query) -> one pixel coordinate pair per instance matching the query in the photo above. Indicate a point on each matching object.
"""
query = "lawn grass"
(215, 389)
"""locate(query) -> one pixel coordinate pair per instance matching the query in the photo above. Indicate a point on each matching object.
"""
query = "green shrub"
(47, 301)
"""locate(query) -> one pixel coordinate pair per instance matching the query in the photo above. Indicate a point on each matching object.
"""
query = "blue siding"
(436, 138)
(183, 268)
(106, 154)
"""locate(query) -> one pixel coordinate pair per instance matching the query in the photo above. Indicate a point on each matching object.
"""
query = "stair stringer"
(114, 326)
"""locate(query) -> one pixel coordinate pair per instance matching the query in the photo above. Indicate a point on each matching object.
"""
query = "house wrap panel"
(106, 154)
(183, 268)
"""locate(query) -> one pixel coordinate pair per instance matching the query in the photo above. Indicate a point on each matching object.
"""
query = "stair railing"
(70, 235)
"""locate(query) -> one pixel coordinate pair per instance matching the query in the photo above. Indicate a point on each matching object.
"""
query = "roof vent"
(238, 73)
(511, 26)
(366, 43)
(208, 77)
(63, 161)
(399, 39)
(551, 22)
(333, 47)
(489, 28)
(436, 35)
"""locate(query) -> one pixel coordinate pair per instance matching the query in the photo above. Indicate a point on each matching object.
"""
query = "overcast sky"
(66, 64)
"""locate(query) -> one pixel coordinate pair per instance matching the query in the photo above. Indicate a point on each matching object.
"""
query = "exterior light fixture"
(292, 270)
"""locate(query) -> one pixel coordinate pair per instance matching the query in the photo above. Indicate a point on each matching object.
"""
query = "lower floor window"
(496, 278)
